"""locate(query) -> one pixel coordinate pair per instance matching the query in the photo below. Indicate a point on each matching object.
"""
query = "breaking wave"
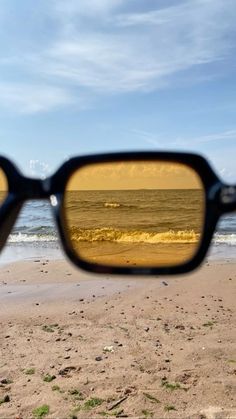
(112, 205)
(31, 238)
(119, 236)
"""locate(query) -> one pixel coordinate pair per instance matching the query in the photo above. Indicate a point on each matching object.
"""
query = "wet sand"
(99, 346)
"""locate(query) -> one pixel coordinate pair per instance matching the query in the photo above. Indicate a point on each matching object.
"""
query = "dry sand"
(170, 343)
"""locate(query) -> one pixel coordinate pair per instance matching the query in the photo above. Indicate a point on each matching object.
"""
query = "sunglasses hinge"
(228, 198)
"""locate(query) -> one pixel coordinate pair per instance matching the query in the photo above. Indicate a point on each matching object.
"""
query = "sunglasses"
(126, 213)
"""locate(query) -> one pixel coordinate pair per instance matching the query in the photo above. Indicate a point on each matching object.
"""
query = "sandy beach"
(77, 345)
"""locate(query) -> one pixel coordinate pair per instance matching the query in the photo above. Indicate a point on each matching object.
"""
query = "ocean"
(120, 222)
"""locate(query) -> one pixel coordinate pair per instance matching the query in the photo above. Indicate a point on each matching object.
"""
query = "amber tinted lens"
(3, 186)
(136, 213)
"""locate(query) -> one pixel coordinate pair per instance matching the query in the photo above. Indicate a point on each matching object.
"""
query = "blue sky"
(83, 76)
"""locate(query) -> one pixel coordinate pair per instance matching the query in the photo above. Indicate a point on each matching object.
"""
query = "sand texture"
(77, 345)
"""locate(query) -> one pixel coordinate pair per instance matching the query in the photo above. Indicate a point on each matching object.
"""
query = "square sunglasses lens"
(135, 213)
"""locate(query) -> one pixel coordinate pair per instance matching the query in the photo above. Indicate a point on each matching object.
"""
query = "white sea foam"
(30, 238)
(113, 235)
(229, 239)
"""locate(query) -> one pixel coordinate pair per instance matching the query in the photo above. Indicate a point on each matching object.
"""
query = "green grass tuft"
(48, 378)
(48, 329)
(147, 413)
(30, 371)
(168, 408)
(57, 388)
(41, 411)
(92, 403)
(76, 393)
(171, 386)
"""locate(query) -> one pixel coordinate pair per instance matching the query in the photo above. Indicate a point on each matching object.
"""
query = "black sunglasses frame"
(219, 199)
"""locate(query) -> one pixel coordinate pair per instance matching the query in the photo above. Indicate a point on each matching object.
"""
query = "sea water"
(140, 216)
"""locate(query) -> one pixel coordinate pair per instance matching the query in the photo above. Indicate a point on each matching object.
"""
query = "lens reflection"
(3, 186)
(135, 213)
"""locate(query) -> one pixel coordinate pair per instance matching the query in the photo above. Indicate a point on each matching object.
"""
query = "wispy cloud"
(163, 142)
(148, 137)
(205, 139)
(30, 99)
(137, 51)
(104, 47)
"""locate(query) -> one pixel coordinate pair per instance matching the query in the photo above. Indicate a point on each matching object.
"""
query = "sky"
(81, 77)
(134, 175)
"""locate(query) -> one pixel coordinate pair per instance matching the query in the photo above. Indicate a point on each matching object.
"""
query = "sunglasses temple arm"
(8, 215)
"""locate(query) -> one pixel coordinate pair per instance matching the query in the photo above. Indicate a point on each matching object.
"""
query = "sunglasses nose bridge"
(36, 188)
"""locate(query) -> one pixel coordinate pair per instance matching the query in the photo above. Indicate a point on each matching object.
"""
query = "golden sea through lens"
(135, 213)
(3, 186)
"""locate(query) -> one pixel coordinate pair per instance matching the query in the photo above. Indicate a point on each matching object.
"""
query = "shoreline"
(14, 253)
(170, 342)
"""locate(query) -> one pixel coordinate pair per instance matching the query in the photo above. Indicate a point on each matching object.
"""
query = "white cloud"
(137, 51)
(28, 98)
(101, 47)
(39, 168)
(87, 8)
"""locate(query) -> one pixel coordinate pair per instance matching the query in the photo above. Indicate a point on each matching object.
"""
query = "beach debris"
(165, 283)
(166, 327)
(5, 399)
(98, 358)
(108, 349)
(117, 403)
(64, 372)
(146, 329)
(184, 377)
(151, 398)
(180, 327)
(5, 381)
(129, 390)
